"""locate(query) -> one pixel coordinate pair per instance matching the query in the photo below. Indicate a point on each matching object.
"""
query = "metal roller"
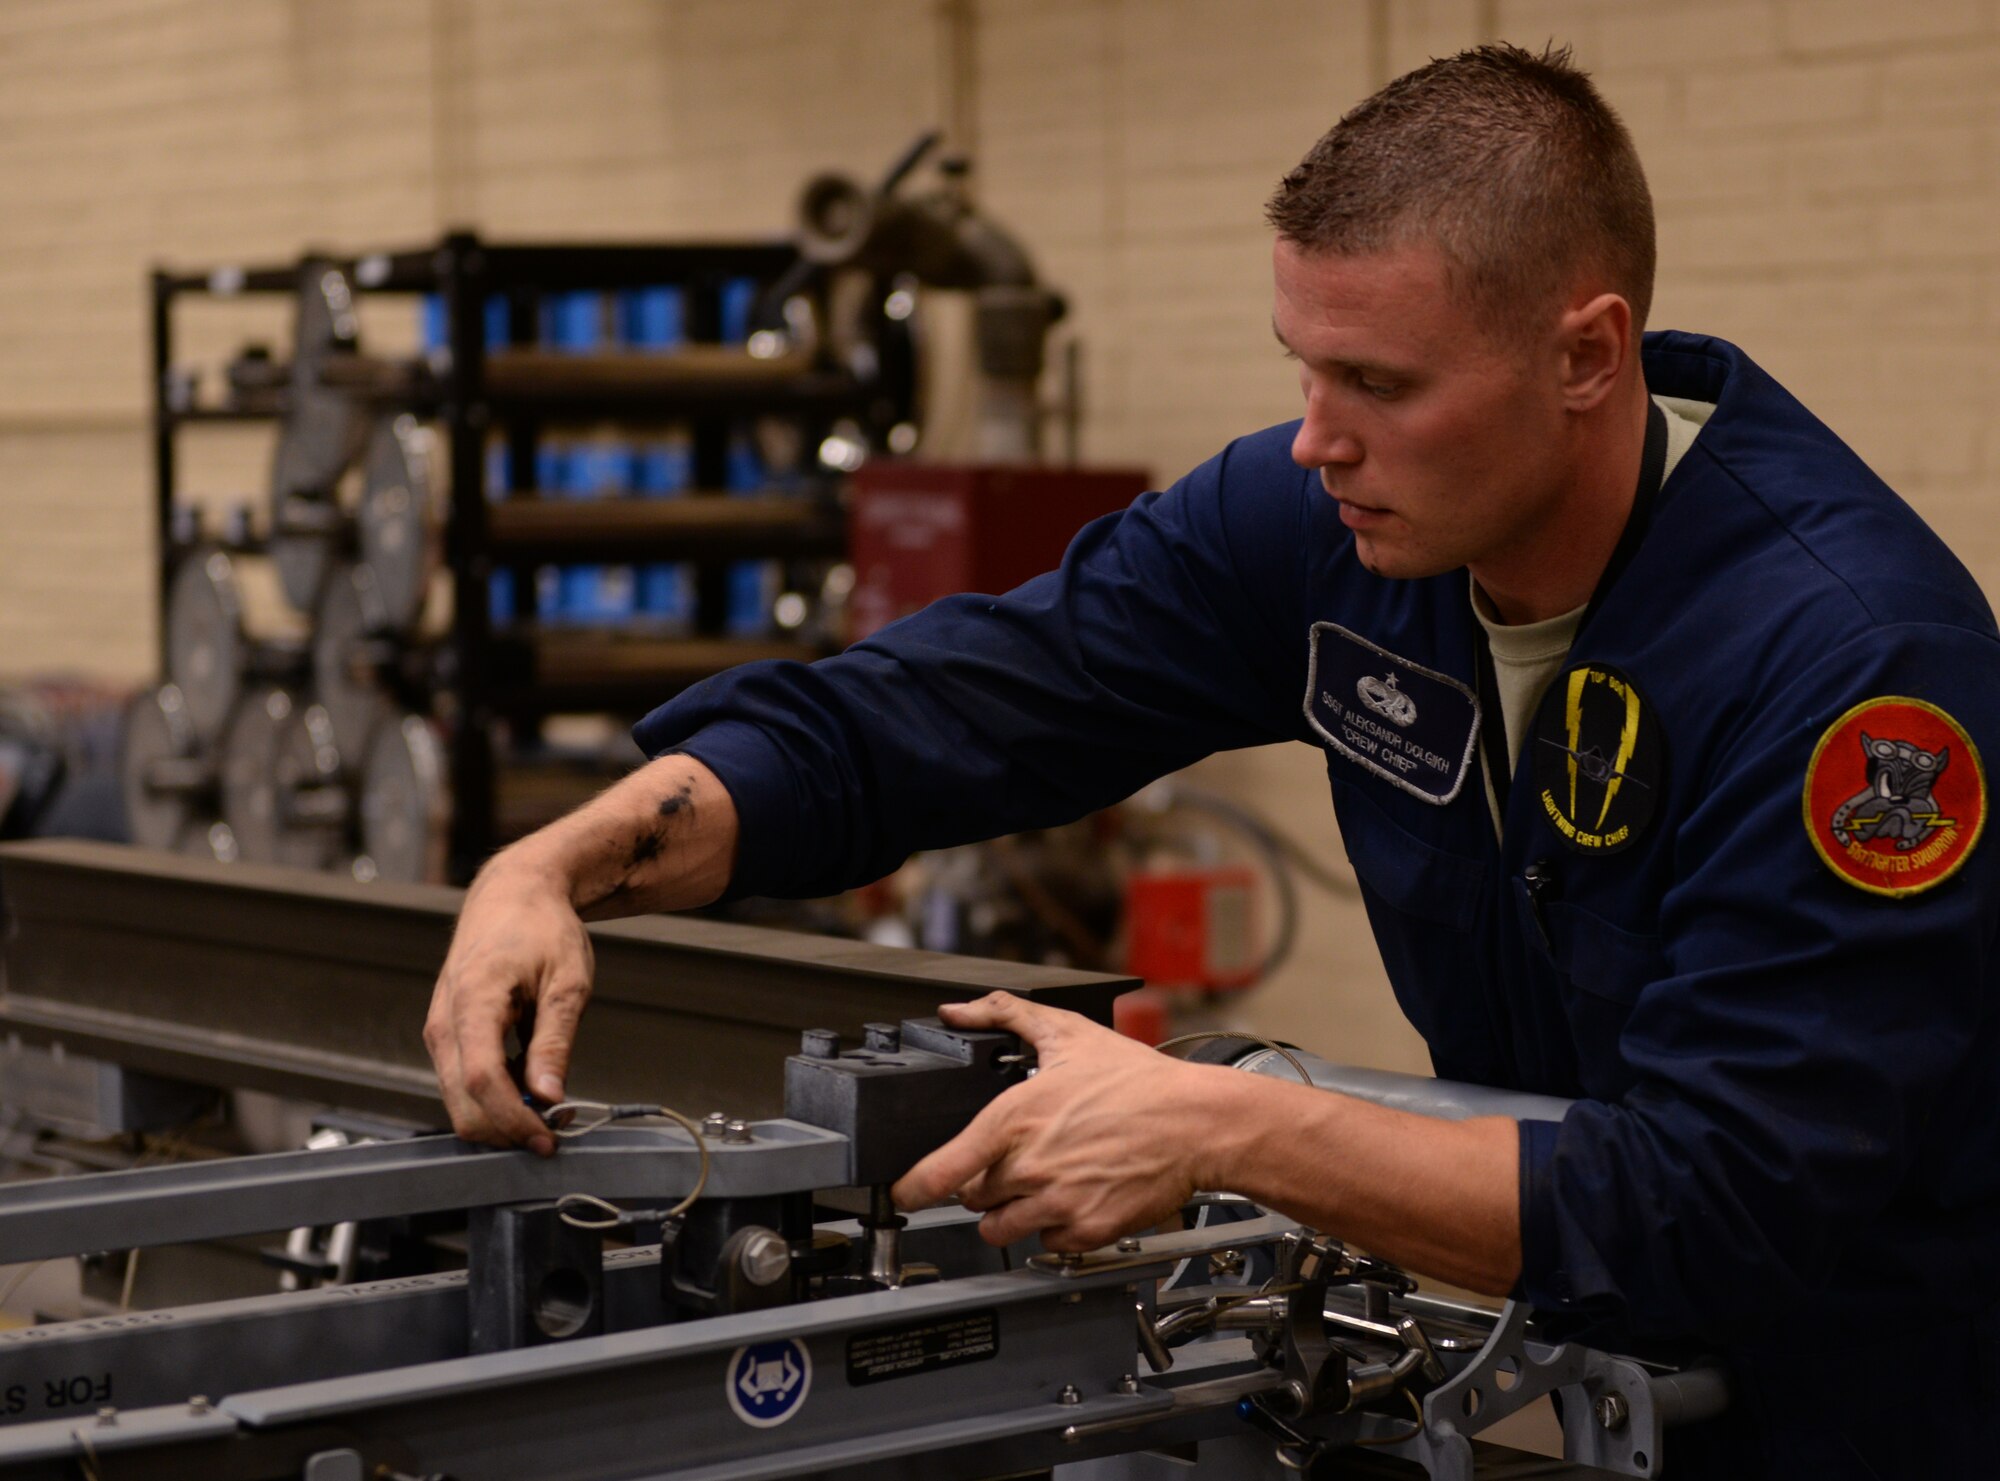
(398, 526)
(323, 427)
(1447, 1100)
(281, 791)
(209, 655)
(323, 432)
(162, 770)
(250, 773)
(405, 802)
(312, 805)
(205, 646)
(351, 615)
(307, 537)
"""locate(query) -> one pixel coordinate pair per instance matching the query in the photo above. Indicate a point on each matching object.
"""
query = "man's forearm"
(1441, 1198)
(663, 838)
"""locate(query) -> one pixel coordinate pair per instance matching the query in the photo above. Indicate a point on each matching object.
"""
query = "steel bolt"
(108, 1415)
(737, 1133)
(766, 1258)
(1611, 1411)
(198, 1404)
(1070, 1260)
(1226, 1262)
(1296, 1398)
(1069, 1395)
(1129, 1245)
(1128, 1384)
(714, 1123)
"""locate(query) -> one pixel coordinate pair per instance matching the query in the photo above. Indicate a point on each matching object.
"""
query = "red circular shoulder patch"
(1895, 797)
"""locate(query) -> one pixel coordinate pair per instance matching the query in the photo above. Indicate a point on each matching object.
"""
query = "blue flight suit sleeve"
(1171, 630)
(1809, 1038)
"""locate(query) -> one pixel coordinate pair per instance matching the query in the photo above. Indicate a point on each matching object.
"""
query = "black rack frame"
(490, 678)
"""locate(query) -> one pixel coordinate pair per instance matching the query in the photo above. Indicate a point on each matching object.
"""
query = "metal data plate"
(206, 651)
(398, 525)
(312, 802)
(350, 611)
(250, 773)
(405, 802)
(321, 436)
(160, 768)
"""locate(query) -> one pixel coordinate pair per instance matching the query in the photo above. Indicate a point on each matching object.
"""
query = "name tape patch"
(1895, 796)
(767, 1382)
(1410, 725)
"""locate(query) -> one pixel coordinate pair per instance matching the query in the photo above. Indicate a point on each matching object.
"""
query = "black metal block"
(532, 1279)
(897, 1105)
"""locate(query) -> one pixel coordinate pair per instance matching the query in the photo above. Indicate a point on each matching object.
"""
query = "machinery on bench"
(743, 1339)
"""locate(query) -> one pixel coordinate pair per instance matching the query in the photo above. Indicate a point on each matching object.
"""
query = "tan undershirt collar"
(1528, 655)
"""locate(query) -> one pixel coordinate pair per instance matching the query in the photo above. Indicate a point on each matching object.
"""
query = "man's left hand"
(1108, 1136)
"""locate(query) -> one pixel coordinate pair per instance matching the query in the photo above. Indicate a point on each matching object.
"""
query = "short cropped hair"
(1511, 164)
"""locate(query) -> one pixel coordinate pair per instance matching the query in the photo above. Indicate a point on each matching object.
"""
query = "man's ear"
(1596, 343)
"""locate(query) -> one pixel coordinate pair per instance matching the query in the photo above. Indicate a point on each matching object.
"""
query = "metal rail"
(145, 1207)
(316, 987)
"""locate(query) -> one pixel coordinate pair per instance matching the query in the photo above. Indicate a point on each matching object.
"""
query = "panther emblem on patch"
(1895, 796)
(1897, 802)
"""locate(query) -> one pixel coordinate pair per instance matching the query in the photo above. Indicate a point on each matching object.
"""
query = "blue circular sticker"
(768, 1381)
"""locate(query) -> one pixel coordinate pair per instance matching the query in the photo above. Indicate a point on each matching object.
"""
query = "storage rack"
(485, 674)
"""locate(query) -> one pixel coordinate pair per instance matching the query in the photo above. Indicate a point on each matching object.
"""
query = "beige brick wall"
(1827, 171)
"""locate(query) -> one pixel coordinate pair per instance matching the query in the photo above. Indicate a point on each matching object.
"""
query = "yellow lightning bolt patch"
(1573, 718)
(1574, 744)
(1628, 739)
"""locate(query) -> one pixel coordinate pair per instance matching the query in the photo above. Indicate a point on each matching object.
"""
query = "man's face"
(1441, 442)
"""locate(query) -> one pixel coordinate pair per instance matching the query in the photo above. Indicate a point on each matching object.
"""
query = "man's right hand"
(519, 946)
(664, 838)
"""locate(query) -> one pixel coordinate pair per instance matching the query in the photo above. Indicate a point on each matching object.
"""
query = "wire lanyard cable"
(571, 1119)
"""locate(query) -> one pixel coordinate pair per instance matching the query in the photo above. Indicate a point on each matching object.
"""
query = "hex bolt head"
(199, 1404)
(820, 1043)
(108, 1415)
(1128, 1384)
(1129, 1245)
(1226, 1262)
(737, 1133)
(766, 1258)
(1069, 1395)
(1611, 1411)
(714, 1124)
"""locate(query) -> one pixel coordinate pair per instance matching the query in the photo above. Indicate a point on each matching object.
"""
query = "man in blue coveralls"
(1653, 723)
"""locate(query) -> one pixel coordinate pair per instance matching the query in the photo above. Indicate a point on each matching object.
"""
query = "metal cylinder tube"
(1448, 1100)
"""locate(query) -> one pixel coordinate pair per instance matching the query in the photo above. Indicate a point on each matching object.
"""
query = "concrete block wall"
(1827, 174)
